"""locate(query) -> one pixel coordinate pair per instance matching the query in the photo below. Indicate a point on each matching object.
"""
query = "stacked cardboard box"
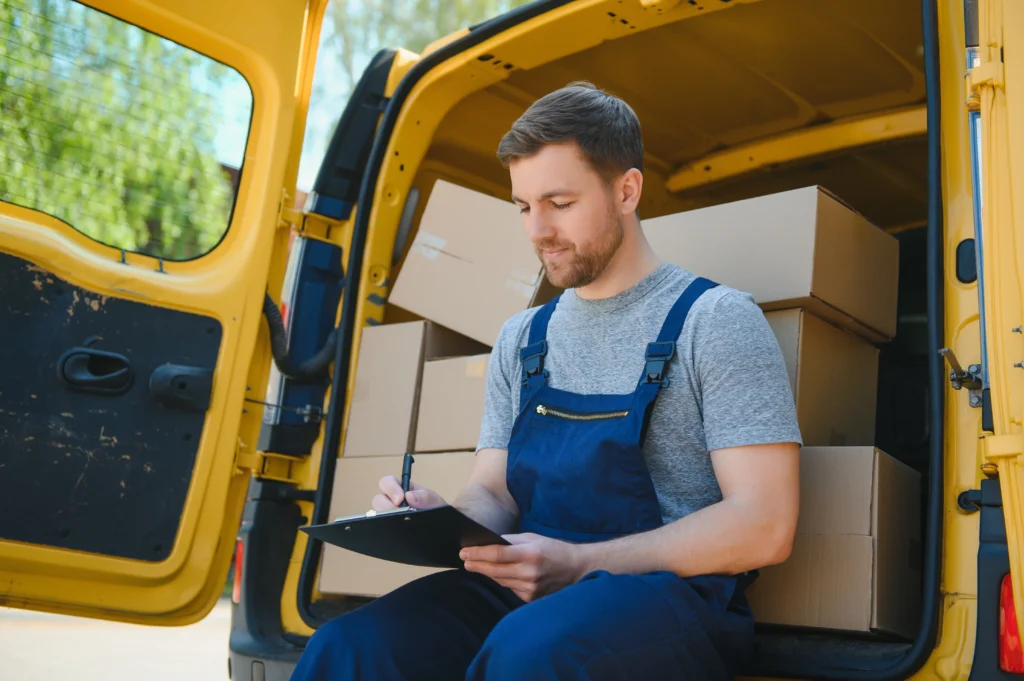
(856, 562)
(827, 280)
(470, 266)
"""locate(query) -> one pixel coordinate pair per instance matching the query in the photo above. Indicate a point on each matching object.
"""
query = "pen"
(406, 474)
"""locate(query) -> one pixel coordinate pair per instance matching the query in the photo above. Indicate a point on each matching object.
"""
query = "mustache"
(552, 244)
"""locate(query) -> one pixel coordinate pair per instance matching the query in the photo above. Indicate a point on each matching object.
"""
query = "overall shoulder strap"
(661, 351)
(532, 356)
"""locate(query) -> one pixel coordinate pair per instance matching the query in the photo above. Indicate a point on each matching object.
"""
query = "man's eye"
(524, 209)
(561, 206)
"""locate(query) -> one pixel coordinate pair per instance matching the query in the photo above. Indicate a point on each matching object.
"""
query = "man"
(639, 451)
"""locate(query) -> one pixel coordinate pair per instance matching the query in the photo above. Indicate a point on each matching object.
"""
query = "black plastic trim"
(971, 22)
(987, 423)
(341, 172)
(367, 191)
(966, 262)
(269, 529)
(288, 439)
(993, 565)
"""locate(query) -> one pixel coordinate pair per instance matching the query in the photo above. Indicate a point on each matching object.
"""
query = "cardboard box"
(856, 561)
(834, 378)
(355, 484)
(451, 404)
(470, 266)
(801, 248)
(382, 417)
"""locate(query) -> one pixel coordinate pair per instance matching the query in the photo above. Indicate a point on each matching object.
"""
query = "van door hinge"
(322, 228)
(1000, 452)
(287, 216)
(265, 465)
(989, 74)
(310, 225)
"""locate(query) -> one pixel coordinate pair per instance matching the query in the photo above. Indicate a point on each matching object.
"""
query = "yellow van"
(163, 383)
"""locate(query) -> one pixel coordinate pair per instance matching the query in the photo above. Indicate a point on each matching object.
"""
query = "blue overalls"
(577, 472)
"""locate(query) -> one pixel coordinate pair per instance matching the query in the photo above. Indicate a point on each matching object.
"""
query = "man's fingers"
(382, 503)
(390, 486)
(516, 571)
(492, 553)
(423, 498)
(526, 591)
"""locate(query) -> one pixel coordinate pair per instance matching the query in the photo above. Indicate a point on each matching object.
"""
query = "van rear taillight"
(236, 590)
(1011, 657)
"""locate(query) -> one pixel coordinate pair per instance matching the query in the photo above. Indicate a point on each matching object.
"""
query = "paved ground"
(40, 647)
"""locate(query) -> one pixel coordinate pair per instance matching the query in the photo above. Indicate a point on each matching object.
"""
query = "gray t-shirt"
(728, 382)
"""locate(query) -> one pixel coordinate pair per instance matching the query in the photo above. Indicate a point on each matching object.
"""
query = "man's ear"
(630, 185)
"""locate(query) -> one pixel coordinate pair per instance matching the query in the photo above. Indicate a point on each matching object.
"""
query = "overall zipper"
(599, 416)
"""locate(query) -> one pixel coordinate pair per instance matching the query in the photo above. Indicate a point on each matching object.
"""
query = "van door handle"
(85, 369)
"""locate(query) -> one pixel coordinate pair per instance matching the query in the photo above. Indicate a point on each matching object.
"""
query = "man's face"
(569, 213)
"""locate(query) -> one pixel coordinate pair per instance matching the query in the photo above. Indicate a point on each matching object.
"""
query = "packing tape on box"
(530, 278)
(525, 290)
(476, 368)
(429, 245)
(524, 283)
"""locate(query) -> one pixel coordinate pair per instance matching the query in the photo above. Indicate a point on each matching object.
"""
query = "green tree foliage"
(362, 27)
(111, 129)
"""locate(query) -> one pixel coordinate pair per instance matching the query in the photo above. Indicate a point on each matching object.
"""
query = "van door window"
(133, 140)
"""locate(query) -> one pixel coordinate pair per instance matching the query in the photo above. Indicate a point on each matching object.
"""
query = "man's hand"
(391, 496)
(534, 566)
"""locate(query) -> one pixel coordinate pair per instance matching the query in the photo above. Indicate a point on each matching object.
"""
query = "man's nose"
(538, 228)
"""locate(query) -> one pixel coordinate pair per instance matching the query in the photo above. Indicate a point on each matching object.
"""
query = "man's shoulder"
(515, 331)
(721, 302)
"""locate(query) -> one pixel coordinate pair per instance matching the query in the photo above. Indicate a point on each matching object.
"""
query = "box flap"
(836, 485)
(845, 241)
(838, 386)
(386, 384)
(441, 342)
(896, 523)
(826, 583)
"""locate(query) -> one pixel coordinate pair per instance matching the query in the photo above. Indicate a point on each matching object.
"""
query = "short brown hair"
(605, 128)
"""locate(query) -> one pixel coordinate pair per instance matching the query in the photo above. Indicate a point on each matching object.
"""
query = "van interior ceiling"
(748, 101)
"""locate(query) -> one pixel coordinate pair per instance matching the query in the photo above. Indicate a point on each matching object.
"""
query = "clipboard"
(427, 538)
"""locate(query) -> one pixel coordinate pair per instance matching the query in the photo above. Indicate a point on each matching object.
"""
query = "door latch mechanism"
(970, 379)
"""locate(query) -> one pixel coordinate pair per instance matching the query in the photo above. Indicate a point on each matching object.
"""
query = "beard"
(588, 260)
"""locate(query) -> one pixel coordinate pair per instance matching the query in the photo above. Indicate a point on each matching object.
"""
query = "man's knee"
(525, 646)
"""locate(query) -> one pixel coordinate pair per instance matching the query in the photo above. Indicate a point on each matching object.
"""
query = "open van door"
(135, 247)
(996, 85)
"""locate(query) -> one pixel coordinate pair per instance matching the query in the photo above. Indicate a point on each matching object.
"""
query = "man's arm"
(751, 527)
(486, 498)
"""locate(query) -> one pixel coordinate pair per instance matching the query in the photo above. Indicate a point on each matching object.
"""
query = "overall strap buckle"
(532, 357)
(658, 355)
